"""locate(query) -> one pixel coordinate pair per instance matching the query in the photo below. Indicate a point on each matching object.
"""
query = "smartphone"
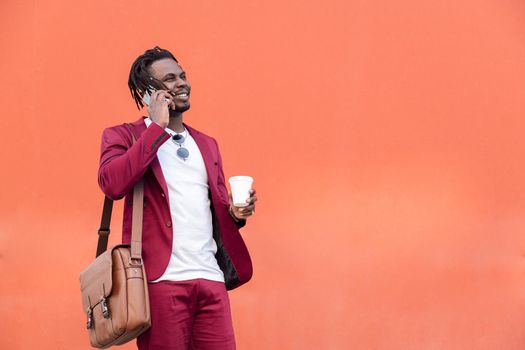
(147, 97)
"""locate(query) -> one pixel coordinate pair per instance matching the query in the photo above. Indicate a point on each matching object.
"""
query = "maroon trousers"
(193, 314)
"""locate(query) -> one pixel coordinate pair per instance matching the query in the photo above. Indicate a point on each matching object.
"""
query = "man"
(192, 249)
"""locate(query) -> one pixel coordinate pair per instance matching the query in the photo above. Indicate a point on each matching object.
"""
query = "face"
(173, 77)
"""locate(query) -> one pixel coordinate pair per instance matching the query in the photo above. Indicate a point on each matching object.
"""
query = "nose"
(180, 82)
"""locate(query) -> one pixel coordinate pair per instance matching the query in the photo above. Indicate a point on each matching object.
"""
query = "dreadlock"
(139, 76)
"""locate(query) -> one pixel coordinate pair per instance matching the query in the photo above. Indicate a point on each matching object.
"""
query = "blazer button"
(168, 223)
(162, 195)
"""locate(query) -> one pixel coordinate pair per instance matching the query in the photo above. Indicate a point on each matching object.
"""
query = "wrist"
(232, 214)
(160, 123)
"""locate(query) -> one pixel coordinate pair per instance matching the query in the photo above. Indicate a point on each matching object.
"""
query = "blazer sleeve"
(222, 186)
(123, 163)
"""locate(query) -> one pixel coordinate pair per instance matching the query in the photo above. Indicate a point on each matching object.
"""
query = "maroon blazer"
(123, 164)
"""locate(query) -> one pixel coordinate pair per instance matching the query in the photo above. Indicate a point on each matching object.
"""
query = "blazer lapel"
(209, 156)
(140, 127)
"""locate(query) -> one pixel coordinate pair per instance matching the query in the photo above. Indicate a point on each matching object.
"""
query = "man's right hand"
(158, 108)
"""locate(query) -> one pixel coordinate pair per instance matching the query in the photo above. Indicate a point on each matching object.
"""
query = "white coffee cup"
(240, 186)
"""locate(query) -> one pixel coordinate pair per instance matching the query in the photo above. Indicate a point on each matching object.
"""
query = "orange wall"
(385, 137)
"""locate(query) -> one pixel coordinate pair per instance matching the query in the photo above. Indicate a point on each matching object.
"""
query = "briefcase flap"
(96, 280)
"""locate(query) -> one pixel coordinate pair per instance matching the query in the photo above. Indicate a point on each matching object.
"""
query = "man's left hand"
(242, 213)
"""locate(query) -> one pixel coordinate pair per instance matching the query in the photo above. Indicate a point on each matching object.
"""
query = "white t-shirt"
(193, 248)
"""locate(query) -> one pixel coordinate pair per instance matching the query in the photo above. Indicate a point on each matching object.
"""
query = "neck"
(175, 123)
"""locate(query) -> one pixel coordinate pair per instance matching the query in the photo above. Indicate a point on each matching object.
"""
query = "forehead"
(160, 68)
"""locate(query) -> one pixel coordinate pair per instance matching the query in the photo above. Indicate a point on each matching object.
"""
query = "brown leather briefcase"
(114, 287)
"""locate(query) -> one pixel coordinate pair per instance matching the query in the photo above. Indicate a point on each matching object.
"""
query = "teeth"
(182, 95)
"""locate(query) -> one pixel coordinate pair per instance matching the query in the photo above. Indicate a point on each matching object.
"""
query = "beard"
(180, 109)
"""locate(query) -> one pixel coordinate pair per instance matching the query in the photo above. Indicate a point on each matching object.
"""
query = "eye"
(183, 76)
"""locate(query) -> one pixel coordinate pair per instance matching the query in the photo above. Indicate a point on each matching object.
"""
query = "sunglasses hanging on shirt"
(182, 152)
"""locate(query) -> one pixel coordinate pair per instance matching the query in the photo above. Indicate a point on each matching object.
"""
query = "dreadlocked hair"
(139, 76)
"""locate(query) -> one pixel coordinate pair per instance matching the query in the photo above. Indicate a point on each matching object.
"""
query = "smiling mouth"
(181, 95)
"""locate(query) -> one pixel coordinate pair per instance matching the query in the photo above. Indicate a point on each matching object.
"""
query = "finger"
(163, 102)
(155, 94)
(156, 101)
(247, 209)
(161, 95)
(251, 200)
(164, 94)
(169, 99)
(252, 191)
(247, 213)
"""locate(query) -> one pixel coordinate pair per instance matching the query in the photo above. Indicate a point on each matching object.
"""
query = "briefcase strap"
(136, 226)
(103, 231)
